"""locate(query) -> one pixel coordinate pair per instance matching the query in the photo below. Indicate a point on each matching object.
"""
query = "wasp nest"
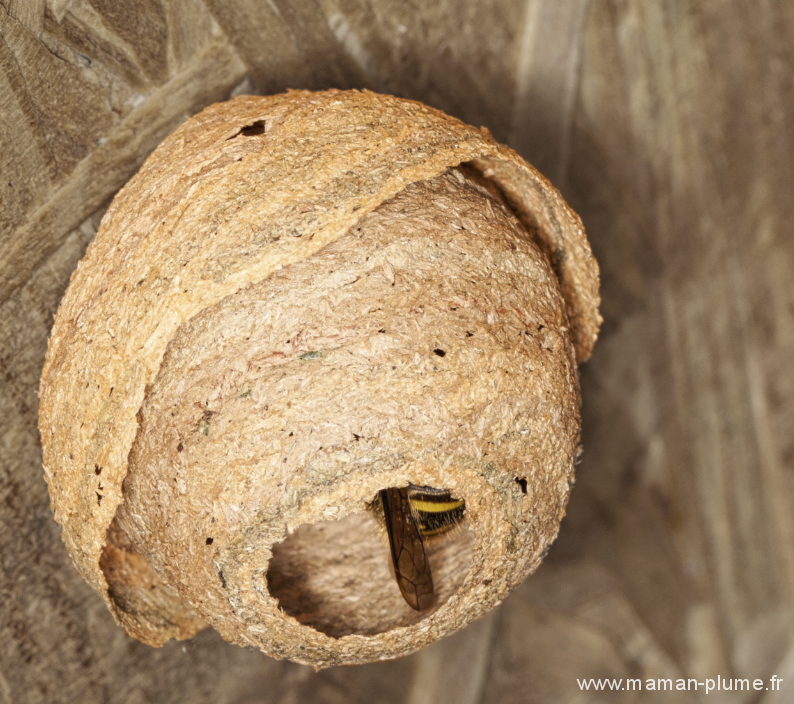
(304, 312)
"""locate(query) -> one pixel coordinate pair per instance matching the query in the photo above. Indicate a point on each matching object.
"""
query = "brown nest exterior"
(301, 300)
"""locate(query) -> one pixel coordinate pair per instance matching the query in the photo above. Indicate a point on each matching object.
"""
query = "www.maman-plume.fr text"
(720, 684)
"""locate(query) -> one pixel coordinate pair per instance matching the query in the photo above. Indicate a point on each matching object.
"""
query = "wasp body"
(412, 514)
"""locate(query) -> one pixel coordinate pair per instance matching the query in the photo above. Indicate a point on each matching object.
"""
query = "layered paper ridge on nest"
(250, 346)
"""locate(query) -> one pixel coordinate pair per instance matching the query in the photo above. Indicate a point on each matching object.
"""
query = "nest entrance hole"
(335, 577)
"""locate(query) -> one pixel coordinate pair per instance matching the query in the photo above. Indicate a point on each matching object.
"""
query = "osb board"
(667, 125)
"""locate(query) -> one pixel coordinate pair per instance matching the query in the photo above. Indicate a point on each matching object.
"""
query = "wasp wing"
(411, 568)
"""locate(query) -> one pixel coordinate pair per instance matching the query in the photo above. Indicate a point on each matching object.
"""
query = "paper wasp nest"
(300, 304)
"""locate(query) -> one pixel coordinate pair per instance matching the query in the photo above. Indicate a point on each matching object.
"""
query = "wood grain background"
(668, 126)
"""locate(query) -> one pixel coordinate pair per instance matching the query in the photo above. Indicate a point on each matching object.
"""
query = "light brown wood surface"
(667, 126)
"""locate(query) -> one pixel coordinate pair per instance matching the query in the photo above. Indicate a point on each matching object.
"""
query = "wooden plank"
(29, 13)
(107, 167)
(679, 167)
(265, 42)
(547, 81)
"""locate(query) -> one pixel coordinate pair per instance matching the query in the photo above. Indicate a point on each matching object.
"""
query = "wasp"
(412, 514)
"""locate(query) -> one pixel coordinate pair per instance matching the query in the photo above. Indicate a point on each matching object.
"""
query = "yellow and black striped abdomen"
(434, 510)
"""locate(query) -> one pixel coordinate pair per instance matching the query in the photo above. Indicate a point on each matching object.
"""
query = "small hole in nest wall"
(252, 130)
(336, 576)
(522, 483)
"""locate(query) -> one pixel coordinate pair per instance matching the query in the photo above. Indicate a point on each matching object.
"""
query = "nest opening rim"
(335, 576)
